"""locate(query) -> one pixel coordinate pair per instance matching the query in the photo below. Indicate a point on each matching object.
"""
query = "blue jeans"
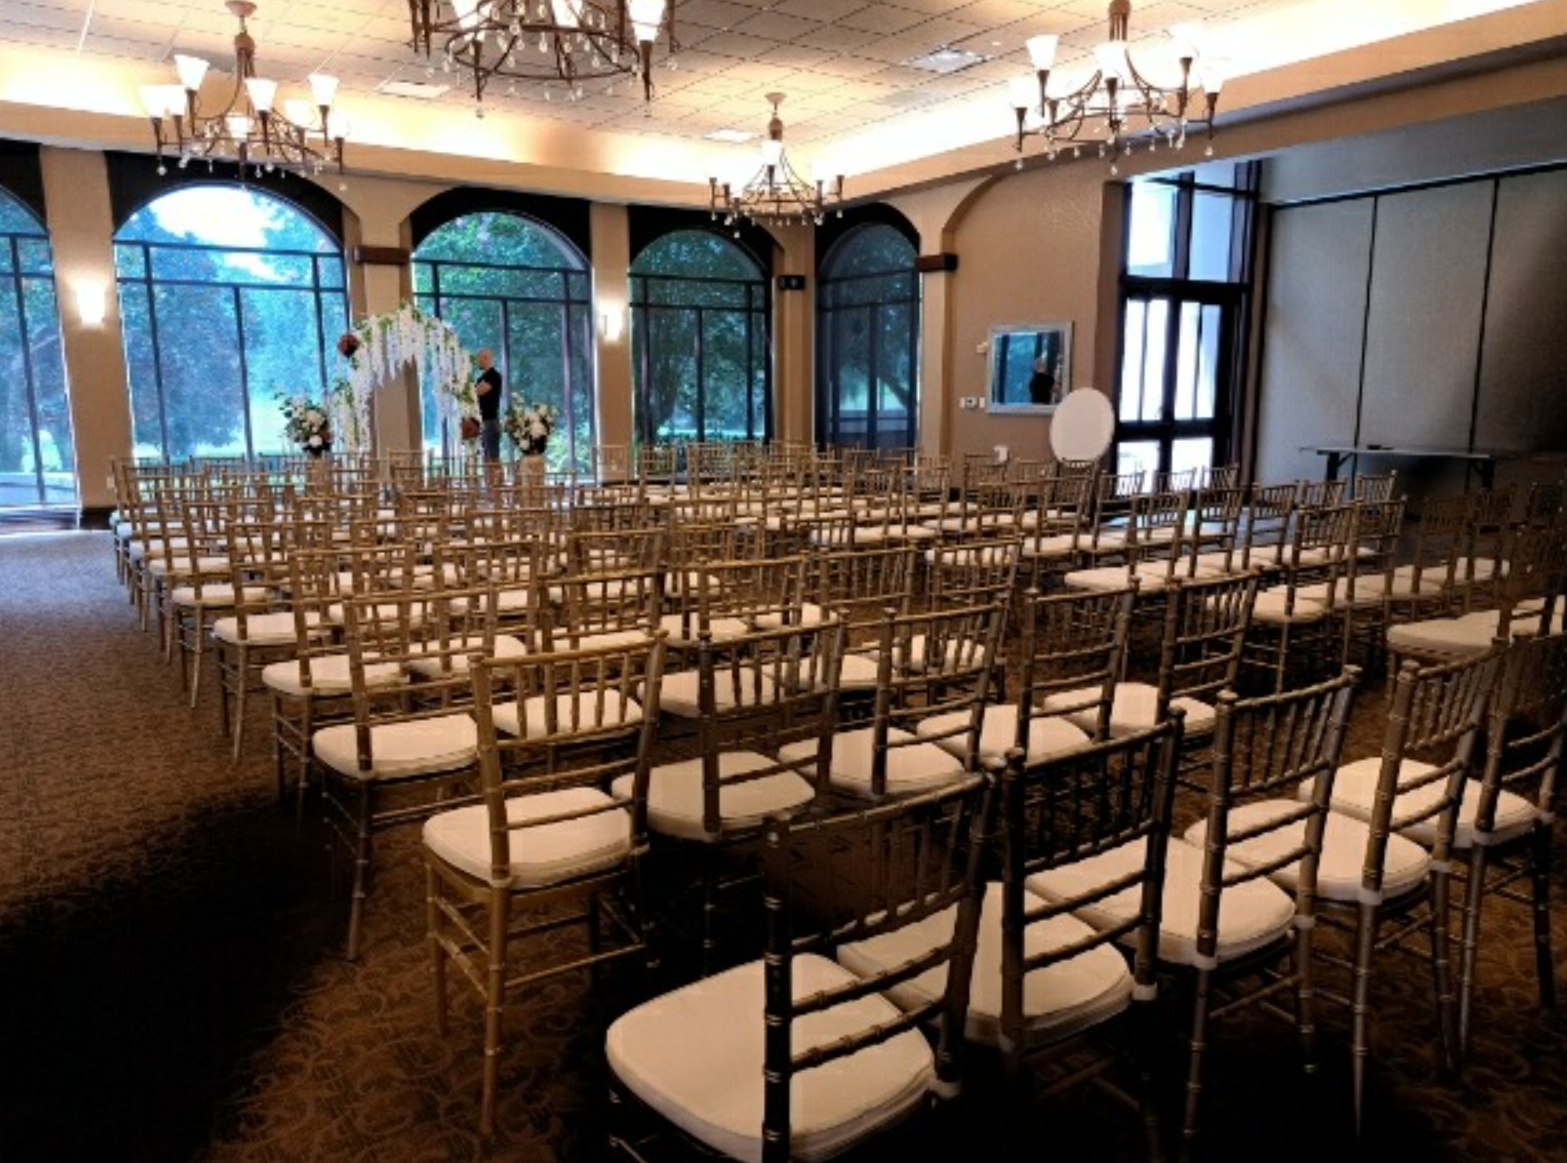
(490, 439)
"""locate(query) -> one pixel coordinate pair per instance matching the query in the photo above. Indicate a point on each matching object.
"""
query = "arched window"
(868, 336)
(37, 456)
(701, 344)
(517, 287)
(228, 297)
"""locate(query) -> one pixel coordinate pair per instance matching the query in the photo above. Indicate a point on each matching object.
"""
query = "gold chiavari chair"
(794, 1056)
(1263, 749)
(545, 845)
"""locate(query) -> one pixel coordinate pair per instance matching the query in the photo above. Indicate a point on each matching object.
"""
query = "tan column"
(376, 289)
(935, 363)
(81, 230)
(611, 237)
(794, 333)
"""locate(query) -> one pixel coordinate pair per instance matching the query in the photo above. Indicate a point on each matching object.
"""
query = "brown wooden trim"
(382, 256)
(927, 264)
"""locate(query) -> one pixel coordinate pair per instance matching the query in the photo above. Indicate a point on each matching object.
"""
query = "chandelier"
(776, 194)
(1118, 106)
(306, 136)
(542, 40)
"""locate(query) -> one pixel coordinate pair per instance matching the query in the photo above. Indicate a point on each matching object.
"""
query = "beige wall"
(76, 190)
(1030, 249)
(611, 292)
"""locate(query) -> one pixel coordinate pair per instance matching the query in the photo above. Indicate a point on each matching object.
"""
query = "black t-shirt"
(490, 401)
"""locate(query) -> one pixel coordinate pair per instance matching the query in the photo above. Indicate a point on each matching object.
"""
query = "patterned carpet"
(172, 985)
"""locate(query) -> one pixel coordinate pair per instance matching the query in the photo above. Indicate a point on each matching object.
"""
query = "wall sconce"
(612, 321)
(90, 304)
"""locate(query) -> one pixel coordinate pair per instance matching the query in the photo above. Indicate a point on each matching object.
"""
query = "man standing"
(488, 389)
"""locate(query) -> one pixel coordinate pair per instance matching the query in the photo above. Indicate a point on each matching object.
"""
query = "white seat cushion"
(1355, 789)
(329, 675)
(712, 1088)
(1057, 545)
(263, 629)
(859, 671)
(1047, 734)
(1058, 1001)
(506, 646)
(680, 693)
(1153, 576)
(412, 747)
(674, 803)
(599, 639)
(810, 615)
(1134, 708)
(1272, 606)
(381, 613)
(215, 594)
(548, 854)
(1461, 637)
(580, 708)
(185, 564)
(914, 767)
(1254, 914)
(683, 629)
(1342, 862)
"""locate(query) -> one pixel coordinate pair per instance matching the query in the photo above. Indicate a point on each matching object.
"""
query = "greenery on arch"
(517, 287)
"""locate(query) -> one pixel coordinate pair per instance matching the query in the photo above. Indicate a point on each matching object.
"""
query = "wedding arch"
(381, 346)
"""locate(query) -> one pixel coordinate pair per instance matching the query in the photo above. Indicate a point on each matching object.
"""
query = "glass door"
(1178, 358)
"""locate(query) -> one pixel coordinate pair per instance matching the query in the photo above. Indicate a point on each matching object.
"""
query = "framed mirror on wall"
(1030, 366)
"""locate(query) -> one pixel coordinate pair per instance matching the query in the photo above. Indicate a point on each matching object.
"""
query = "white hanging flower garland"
(382, 346)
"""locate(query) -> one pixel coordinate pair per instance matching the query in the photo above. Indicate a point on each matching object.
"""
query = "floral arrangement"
(306, 423)
(529, 426)
(378, 347)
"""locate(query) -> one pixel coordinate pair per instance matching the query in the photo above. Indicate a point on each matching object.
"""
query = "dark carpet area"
(172, 985)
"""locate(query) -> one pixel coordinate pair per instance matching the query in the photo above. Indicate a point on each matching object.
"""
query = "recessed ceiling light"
(729, 136)
(946, 60)
(419, 89)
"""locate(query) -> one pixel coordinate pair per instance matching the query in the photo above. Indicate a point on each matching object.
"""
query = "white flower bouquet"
(306, 423)
(529, 426)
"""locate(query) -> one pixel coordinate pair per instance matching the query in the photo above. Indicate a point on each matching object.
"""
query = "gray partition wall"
(1433, 317)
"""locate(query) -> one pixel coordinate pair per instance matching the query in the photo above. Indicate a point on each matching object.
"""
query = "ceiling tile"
(113, 46)
(36, 34)
(847, 66)
(711, 14)
(734, 44)
(42, 16)
(152, 11)
(884, 19)
(128, 30)
(777, 27)
(794, 56)
(820, 9)
(837, 38)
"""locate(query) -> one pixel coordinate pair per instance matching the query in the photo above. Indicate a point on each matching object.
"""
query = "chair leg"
(241, 689)
(356, 906)
(1474, 899)
(712, 874)
(1198, 1047)
(1305, 998)
(1545, 965)
(432, 909)
(1365, 951)
(494, 1005)
(1442, 971)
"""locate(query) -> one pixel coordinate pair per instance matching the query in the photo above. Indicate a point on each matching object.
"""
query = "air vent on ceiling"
(729, 136)
(419, 89)
(946, 60)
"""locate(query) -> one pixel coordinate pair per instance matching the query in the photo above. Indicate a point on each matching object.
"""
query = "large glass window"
(519, 288)
(37, 455)
(701, 347)
(1184, 299)
(228, 297)
(867, 371)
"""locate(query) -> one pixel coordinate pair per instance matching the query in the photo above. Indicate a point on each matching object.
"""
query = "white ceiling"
(839, 61)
